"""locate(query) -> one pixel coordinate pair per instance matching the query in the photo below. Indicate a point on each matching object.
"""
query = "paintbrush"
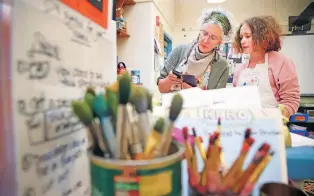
(89, 99)
(140, 103)
(166, 138)
(101, 109)
(112, 98)
(134, 136)
(153, 138)
(247, 190)
(175, 109)
(83, 112)
(236, 169)
(259, 156)
(149, 107)
(213, 164)
(122, 117)
(199, 143)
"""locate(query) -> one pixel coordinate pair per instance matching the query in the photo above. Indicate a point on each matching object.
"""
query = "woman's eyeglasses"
(205, 35)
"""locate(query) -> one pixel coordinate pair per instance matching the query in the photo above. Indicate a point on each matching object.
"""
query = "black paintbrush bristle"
(124, 88)
(176, 107)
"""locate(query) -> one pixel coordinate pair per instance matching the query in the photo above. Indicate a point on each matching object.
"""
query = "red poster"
(95, 10)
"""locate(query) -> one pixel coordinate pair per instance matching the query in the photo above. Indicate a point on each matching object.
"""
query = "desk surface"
(300, 162)
(298, 140)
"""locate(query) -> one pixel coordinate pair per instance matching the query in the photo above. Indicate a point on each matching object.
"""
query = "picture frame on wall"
(95, 10)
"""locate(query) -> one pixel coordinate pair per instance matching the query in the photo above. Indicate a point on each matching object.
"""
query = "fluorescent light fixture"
(215, 1)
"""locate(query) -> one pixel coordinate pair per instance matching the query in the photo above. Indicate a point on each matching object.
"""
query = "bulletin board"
(56, 57)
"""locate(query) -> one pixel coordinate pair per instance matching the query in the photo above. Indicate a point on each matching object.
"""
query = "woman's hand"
(185, 86)
(165, 84)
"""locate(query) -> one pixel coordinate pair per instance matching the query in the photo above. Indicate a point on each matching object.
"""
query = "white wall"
(300, 50)
(137, 51)
(187, 13)
(166, 10)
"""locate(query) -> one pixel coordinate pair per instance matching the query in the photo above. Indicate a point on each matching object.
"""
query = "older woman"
(200, 58)
(273, 73)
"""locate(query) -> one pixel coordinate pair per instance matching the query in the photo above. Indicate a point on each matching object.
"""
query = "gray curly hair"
(222, 18)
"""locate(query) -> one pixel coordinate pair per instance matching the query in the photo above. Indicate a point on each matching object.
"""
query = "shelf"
(308, 122)
(121, 33)
(129, 2)
(307, 105)
(309, 125)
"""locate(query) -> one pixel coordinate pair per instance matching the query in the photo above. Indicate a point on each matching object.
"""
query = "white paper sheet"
(190, 96)
(219, 98)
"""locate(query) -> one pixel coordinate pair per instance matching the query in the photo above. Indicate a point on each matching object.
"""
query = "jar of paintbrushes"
(217, 180)
(130, 153)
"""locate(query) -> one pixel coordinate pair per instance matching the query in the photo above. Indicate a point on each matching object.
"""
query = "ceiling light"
(215, 1)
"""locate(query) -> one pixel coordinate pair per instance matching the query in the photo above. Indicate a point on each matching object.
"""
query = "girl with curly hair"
(273, 72)
(200, 58)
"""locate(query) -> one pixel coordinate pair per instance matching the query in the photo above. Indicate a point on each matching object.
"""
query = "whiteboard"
(56, 54)
(300, 48)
